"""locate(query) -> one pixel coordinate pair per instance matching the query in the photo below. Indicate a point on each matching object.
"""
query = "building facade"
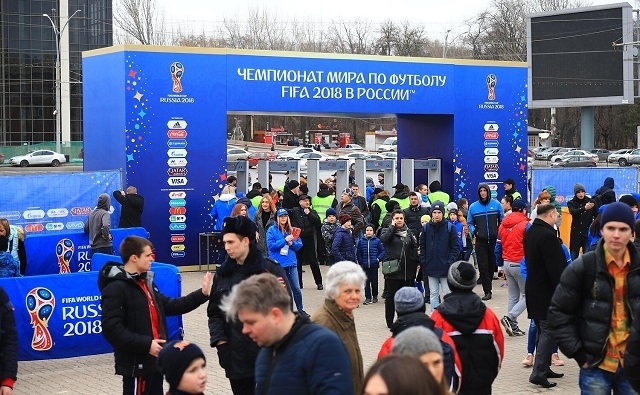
(28, 65)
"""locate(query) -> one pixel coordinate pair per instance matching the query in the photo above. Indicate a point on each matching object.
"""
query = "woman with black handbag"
(401, 260)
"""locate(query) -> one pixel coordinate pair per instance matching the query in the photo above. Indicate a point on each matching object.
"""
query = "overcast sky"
(437, 16)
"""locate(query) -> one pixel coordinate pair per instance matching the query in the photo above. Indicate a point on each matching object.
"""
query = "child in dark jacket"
(343, 247)
(328, 229)
(453, 219)
(370, 253)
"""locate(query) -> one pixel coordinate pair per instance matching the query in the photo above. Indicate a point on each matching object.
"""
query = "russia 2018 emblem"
(40, 303)
(64, 252)
(492, 80)
(177, 70)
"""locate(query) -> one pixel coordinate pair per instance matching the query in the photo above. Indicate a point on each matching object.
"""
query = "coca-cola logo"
(176, 134)
(491, 135)
(80, 210)
(177, 171)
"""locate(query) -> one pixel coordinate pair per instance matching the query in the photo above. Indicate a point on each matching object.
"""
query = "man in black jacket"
(413, 213)
(308, 220)
(598, 298)
(8, 345)
(582, 213)
(237, 353)
(132, 206)
(545, 262)
(134, 315)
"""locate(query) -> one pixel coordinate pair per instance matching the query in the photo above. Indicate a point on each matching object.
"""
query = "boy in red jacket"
(474, 328)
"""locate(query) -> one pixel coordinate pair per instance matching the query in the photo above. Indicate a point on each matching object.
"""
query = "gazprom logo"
(177, 226)
(491, 143)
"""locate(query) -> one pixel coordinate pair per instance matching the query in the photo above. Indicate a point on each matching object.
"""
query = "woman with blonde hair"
(282, 246)
(264, 218)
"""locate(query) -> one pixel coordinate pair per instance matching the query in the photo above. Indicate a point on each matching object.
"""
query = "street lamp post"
(444, 50)
(58, 112)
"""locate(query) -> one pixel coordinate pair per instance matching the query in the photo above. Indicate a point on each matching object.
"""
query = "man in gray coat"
(98, 226)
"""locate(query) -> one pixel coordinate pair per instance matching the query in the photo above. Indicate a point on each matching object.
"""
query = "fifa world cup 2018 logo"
(64, 252)
(177, 70)
(40, 303)
(491, 86)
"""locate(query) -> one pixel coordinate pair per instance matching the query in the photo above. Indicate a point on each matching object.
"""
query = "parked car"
(576, 161)
(390, 144)
(295, 153)
(330, 145)
(632, 158)
(575, 152)
(39, 157)
(313, 156)
(353, 147)
(234, 153)
(257, 156)
(548, 153)
(540, 149)
(602, 153)
(616, 155)
(389, 155)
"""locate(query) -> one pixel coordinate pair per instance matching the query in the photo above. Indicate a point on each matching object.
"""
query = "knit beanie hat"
(618, 212)
(452, 206)
(628, 200)
(331, 211)
(175, 358)
(578, 187)
(408, 300)
(518, 205)
(437, 206)
(293, 184)
(416, 341)
(462, 276)
(391, 205)
(344, 219)
(348, 192)
(324, 187)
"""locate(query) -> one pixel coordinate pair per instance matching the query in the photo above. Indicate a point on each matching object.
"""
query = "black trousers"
(143, 385)
(486, 254)
(308, 255)
(243, 386)
(392, 286)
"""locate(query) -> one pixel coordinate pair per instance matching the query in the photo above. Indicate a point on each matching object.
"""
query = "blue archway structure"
(159, 114)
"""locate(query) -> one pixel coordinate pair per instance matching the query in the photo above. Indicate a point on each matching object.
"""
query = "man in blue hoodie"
(483, 219)
(223, 206)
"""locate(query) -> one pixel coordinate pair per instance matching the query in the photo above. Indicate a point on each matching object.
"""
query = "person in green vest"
(510, 189)
(322, 201)
(377, 209)
(401, 196)
(437, 194)
(255, 194)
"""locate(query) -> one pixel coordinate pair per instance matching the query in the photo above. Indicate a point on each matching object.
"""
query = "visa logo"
(177, 181)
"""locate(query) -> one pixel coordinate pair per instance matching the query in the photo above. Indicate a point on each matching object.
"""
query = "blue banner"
(56, 202)
(59, 316)
(66, 252)
(625, 181)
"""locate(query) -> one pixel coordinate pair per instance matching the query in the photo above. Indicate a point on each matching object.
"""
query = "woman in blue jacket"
(282, 247)
(369, 253)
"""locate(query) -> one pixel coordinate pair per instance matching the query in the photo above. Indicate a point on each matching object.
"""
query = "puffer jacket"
(439, 248)
(328, 229)
(276, 241)
(238, 355)
(511, 233)
(412, 216)
(393, 245)
(581, 307)
(369, 252)
(222, 208)
(125, 317)
(343, 247)
(484, 217)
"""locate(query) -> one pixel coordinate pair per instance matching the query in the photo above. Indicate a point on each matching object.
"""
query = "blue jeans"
(595, 381)
(531, 340)
(584, 244)
(371, 286)
(292, 276)
(435, 283)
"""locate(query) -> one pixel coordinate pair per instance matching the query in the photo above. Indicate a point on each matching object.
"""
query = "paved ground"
(94, 374)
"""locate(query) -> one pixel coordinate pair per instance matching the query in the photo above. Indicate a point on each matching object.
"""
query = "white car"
(617, 155)
(40, 157)
(295, 153)
(389, 155)
(575, 152)
(352, 147)
(313, 156)
(390, 144)
(234, 153)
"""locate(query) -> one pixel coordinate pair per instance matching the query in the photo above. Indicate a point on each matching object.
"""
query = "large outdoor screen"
(580, 57)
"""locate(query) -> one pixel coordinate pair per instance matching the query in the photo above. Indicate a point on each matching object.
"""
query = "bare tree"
(354, 37)
(141, 21)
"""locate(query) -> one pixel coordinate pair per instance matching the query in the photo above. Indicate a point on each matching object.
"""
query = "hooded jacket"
(552, 191)
(606, 192)
(511, 232)
(98, 225)
(484, 217)
(131, 211)
(321, 203)
(125, 317)
(378, 210)
(581, 219)
(343, 247)
(238, 355)
(222, 208)
(478, 337)
(402, 197)
(439, 248)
